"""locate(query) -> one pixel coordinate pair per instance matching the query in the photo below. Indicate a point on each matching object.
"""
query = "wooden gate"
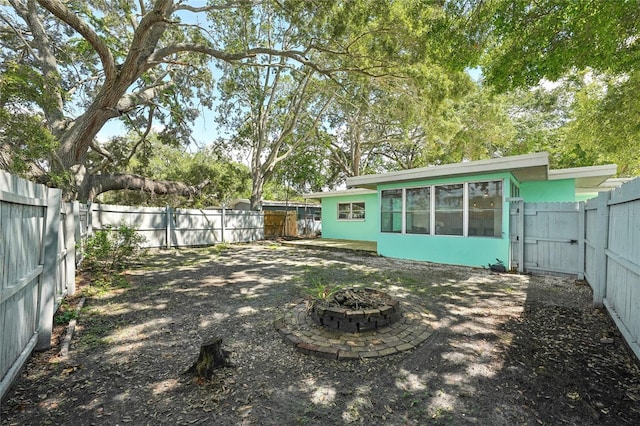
(280, 224)
(547, 237)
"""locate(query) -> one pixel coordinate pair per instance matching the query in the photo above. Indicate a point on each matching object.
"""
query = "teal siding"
(469, 251)
(359, 230)
(548, 191)
(456, 250)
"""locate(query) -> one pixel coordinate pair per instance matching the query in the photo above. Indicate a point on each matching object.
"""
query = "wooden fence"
(280, 224)
(37, 255)
(41, 240)
(167, 227)
(612, 264)
(598, 240)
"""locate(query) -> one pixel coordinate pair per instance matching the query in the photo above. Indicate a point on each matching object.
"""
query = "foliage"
(605, 123)
(320, 293)
(227, 179)
(532, 40)
(64, 314)
(23, 137)
(109, 251)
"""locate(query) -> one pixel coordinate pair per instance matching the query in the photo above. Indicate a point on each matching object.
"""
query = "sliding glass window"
(391, 210)
(449, 200)
(485, 209)
(418, 210)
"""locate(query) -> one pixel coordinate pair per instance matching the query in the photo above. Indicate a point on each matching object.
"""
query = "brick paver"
(298, 328)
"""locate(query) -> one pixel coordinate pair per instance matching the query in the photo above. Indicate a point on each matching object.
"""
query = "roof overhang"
(345, 192)
(607, 185)
(529, 167)
(586, 177)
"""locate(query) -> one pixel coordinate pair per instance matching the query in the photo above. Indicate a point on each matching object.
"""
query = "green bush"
(110, 250)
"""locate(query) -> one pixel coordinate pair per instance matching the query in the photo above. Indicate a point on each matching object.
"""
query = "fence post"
(520, 235)
(168, 227)
(582, 245)
(601, 243)
(47, 285)
(89, 219)
(70, 243)
(223, 218)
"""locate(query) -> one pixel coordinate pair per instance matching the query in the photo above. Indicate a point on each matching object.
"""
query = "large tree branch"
(57, 8)
(299, 56)
(145, 40)
(132, 100)
(112, 182)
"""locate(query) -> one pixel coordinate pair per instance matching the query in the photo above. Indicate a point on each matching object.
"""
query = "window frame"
(351, 218)
(394, 212)
(432, 209)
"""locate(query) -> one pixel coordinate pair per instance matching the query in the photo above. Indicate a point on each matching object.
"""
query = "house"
(451, 213)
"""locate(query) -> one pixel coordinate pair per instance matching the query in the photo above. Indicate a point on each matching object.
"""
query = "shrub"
(112, 250)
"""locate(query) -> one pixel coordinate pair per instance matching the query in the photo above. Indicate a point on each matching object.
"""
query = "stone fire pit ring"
(354, 320)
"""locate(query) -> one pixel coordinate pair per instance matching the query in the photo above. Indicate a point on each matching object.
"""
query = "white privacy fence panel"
(547, 236)
(167, 227)
(621, 294)
(149, 222)
(36, 244)
(598, 240)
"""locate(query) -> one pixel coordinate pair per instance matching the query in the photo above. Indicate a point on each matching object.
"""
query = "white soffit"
(586, 177)
(345, 192)
(527, 167)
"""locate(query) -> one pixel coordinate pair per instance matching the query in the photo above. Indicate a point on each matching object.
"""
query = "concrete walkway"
(370, 247)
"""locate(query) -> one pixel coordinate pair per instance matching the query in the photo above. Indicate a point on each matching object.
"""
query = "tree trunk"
(257, 189)
(211, 358)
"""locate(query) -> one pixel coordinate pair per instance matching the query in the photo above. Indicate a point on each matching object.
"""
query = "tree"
(275, 107)
(149, 62)
(532, 40)
(590, 49)
(605, 124)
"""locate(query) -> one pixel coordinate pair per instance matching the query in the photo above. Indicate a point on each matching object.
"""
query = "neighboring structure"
(453, 213)
(308, 213)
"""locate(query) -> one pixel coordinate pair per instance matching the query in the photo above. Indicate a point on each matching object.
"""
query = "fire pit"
(355, 310)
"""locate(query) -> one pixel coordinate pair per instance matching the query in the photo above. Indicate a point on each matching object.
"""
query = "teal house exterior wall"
(548, 191)
(358, 229)
(457, 250)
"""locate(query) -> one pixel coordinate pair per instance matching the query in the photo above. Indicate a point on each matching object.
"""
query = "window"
(350, 211)
(391, 210)
(418, 210)
(471, 209)
(449, 209)
(485, 209)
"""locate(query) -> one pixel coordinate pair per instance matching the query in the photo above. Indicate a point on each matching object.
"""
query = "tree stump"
(212, 357)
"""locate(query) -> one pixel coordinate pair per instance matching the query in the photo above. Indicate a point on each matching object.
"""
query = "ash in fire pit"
(356, 310)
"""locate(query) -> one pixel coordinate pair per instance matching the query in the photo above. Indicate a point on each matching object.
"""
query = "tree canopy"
(352, 87)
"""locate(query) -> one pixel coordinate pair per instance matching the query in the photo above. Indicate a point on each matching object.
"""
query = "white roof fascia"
(607, 185)
(513, 163)
(605, 171)
(340, 193)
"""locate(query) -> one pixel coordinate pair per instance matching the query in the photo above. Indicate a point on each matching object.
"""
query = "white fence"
(37, 258)
(613, 257)
(547, 236)
(598, 240)
(38, 236)
(167, 227)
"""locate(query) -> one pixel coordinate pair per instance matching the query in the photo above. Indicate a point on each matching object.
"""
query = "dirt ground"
(505, 349)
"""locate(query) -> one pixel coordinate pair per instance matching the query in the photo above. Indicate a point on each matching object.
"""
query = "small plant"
(320, 293)
(64, 314)
(110, 251)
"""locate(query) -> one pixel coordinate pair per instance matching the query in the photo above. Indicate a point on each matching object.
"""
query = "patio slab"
(364, 247)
